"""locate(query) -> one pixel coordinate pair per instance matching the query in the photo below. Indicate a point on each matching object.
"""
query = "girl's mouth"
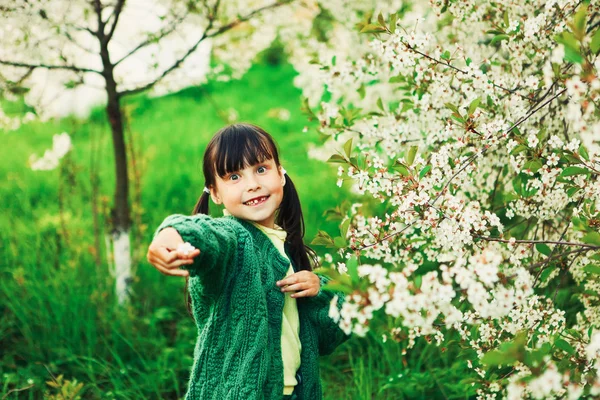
(256, 201)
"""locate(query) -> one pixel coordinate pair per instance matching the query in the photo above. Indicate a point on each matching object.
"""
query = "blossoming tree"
(471, 129)
(67, 56)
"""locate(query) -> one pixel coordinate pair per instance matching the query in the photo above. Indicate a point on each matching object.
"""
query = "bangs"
(241, 146)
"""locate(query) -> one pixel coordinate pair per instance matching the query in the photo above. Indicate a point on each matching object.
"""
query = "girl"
(262, 318)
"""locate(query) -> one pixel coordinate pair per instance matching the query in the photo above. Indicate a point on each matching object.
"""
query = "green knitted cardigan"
(238, 311)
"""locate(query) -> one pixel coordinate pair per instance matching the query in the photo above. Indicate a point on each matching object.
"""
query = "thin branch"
(153, 39)
(492, 239)
(16, 390)
(77, 44)
(447, 64)
(204, 36)
(116, 14)
(552, 258)
(47, 66)
(82, 29)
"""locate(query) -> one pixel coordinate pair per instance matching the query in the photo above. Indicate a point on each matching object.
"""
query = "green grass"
(58, 312)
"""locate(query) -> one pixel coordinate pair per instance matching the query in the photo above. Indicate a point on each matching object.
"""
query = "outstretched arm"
(214, 238)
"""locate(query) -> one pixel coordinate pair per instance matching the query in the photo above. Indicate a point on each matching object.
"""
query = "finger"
(162, 253)
(290, 280)
(172, 270)
(189, 255)
(304, 293)
(176, 272)
(295, 287)
(179, 263)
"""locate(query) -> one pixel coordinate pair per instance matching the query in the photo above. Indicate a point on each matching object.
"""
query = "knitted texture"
(238, 309)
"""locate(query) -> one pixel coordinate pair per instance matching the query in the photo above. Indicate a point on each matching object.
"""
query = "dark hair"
(241, 145)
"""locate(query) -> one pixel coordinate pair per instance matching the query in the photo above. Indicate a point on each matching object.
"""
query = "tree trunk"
(121, 220)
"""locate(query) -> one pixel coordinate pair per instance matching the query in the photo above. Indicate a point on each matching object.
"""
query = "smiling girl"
(261, 316)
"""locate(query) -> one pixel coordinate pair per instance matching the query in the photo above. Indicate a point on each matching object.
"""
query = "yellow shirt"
(290, 324)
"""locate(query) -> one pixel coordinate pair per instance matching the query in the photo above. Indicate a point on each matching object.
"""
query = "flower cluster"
(471, 135)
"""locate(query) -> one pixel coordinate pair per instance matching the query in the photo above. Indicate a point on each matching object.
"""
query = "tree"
(471, 130)
(67, 56)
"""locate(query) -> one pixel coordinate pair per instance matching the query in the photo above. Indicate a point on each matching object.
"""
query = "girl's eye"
(234, 177)
(261, 170)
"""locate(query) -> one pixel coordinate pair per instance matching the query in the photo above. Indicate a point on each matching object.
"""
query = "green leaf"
(393, 20)
(424, 171)
(518, 148)
(546, 273)
(572, 48)
(473, 106)
(583, 152)
(505, 18)
(570, 171)
(498, 38)
(517, 183)
(579, 22)
(412, 152)
(460, 120)
(572, 190)
(592, 269)
(565, 346)
(352, 265)
(572, 55)
(322, 239)
(340, 242)
(401, 168)
(494, 357)
(380, 104)
(595, 45)
(362, 92)
(371, 28)
(336, 158)
(533, 165)
(591, 238)
(452, 107)
(344, 227)
(543, 248)
(381, 20)
(445, 55)
(348, 147)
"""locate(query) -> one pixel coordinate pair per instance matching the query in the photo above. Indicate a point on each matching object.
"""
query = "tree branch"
(116, 14)
(491, 239)
(153, 39)
(46, 66)
(204, 36)
(447, 64)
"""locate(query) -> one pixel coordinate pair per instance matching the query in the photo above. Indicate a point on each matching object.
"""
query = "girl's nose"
(252, 184)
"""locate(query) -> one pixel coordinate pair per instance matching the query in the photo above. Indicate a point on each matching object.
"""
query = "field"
(60, 328)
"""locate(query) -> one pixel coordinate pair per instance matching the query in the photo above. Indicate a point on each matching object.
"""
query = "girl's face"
(253, 193)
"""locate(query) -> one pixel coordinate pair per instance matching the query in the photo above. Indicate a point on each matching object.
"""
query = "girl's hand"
(304, 283)
(163, 254)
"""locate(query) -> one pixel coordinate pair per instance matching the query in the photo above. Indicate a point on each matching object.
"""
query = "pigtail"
(290, 218)
(201, 206)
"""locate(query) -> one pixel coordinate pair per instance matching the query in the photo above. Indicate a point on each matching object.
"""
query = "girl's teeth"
(254, 202)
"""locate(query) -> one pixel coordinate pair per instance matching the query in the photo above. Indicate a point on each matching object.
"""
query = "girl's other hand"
(304, 283)
(163, 254)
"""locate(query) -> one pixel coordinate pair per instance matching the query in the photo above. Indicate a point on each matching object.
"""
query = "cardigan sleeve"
(330, 334)
(215, 238)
